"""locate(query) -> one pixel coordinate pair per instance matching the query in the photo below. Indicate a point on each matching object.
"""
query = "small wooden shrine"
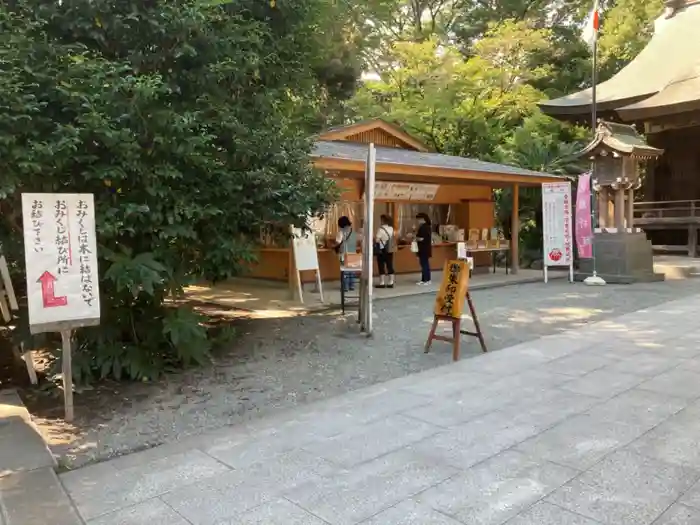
(616, 153)
(623, 253)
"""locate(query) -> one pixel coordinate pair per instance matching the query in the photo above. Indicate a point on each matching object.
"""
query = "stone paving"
(597, 425)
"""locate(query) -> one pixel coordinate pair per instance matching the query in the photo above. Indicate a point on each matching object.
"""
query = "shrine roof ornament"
(671, 54)
(619, 140)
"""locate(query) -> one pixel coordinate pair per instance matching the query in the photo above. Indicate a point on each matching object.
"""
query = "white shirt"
(384, 235)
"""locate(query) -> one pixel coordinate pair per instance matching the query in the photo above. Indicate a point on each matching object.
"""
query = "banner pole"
(594, 279)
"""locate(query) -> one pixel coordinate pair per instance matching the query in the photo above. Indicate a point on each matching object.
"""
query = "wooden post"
(515, 231)
(692, 241)
(28, 358)
(630, 208)
(291, 281)
(602, 208)
(620, 209)
(67, 374)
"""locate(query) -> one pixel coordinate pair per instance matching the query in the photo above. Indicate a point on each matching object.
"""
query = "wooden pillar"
(630, 208)
(394, 217)
(620, 209)
(515, 230)
(602, 208)
(692, 241)
(650, 180)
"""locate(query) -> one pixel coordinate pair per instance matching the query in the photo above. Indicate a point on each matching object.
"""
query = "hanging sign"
(60, 250)
(399, 191)
(584, 227)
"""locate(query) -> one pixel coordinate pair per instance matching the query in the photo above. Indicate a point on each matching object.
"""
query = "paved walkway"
(600, 425)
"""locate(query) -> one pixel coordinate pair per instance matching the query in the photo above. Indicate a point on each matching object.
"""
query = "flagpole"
(594, 279)
(594, 118)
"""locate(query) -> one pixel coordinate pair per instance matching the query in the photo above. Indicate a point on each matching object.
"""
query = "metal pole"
(594, 280)
(594, 118)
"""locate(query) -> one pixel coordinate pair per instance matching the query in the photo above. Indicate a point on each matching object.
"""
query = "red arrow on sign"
(47, 281)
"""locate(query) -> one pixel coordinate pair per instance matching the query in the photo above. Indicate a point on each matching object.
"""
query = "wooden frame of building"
(466, 184)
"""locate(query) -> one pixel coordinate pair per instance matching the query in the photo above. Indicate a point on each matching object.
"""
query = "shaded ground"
(277, 364)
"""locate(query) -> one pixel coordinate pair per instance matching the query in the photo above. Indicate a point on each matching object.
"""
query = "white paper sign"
(305, 251)
(60, 249)
(557, 224)
(424, 192)
(461, 250)
(399, 191)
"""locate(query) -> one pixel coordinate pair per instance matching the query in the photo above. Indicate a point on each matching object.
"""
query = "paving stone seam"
(299, 506)
(675, 502)
(168, 506)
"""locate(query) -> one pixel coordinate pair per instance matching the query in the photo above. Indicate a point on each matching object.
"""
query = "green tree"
(541, 144)
(626, 28)
(180, 117)
(461, 106)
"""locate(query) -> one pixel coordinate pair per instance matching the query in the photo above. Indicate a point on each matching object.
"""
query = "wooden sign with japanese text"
(453, 290)
(60, 250)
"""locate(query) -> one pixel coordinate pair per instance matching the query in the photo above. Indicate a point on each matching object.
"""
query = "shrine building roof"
(622, 139)
(666, 67)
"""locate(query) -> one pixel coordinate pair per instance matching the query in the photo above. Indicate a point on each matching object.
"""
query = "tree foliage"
(190, 121)
(180, 117)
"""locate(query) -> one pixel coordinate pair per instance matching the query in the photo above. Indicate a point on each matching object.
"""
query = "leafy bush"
(179, 118)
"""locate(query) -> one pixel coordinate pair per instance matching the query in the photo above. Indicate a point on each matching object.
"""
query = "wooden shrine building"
(658, 92)
(454, 192)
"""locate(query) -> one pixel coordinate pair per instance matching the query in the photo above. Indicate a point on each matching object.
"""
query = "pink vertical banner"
(584, 226)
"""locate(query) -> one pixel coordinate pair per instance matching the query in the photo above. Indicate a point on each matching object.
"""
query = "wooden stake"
(66, 336)
(29, 362)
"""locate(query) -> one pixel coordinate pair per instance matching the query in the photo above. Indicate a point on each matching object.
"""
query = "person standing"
(346, 243)
(385, 247)
(424, 239)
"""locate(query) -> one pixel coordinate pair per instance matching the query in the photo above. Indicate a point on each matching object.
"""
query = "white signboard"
(60, 250)
(423, 192)
(305, 251)
(557, 227)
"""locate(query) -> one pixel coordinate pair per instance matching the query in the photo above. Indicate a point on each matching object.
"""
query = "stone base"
(621, 258)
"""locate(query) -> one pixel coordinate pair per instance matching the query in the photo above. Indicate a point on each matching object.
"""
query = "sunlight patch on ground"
(552, 315)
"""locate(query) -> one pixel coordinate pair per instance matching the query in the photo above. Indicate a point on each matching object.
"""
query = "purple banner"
(584, 227)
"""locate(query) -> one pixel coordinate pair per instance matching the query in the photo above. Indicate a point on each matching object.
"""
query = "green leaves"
(182, 119)
(187, 335)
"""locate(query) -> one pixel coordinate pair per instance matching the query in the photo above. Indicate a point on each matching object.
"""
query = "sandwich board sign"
(60, 249)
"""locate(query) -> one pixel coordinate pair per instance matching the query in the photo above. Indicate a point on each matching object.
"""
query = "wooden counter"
(275, 263)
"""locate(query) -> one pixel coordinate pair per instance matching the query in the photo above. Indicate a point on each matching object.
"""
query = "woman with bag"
(384, 247)
(345, 243)
(423, 247)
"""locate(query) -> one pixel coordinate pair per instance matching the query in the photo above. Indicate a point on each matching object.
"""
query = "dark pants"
(348, 283)
(424, 259)
(385, 263)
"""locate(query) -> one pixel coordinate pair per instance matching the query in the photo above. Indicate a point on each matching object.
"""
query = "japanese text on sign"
(557, 224)
(453, 290)
(584, 225)
(61, 260)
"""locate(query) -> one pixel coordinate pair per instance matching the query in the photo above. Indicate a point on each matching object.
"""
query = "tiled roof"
(358, 152)
(622, 138)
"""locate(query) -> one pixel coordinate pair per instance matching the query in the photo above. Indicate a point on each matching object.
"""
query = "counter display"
(272, 265)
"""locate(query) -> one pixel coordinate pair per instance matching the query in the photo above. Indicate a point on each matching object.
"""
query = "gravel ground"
(277, 364)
